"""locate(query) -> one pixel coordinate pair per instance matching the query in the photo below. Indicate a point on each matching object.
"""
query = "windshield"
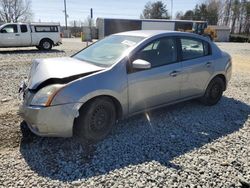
(107, 51)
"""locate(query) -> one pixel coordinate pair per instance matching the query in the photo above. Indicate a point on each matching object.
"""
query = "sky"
(79, 10)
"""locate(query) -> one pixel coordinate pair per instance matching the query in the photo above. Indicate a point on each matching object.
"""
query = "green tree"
(155, 10)
(189, 15)
(213, 10)
(200, 12)
(179, 15)
(208, 11)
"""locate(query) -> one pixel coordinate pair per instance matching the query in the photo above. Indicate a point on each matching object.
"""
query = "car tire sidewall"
(207, 99)
(45, 44)
(84, 121)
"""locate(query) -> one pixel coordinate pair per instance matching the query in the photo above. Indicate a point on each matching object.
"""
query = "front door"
(9, 36)
(161, 83)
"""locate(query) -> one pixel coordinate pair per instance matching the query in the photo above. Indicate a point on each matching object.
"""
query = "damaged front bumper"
(54, 121)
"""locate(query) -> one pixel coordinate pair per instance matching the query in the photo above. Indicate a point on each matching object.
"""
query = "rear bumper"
(54, 121)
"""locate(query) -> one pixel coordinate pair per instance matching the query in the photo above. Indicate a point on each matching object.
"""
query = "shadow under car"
(159, 135)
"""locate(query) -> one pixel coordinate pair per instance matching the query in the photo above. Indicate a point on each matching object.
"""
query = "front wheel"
(96, 120)
(213, 92)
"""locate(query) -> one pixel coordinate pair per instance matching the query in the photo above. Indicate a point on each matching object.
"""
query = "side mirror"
(141, 64)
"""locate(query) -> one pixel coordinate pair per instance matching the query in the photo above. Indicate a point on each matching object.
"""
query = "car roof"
(145, 33)
(151, 33)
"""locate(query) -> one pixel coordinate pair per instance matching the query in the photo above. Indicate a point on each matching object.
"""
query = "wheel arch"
(117, 104)
(224, 80)
(46, 38)
(220, 75)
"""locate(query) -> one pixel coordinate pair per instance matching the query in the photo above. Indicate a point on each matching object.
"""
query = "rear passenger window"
(46, 28)
(24, 28)
(207, 49)
(192, 48)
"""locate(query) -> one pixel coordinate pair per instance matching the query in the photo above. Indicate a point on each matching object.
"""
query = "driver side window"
(159, 52)
(9, 29)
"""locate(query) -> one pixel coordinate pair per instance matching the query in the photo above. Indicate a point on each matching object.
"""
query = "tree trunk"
(227, 11)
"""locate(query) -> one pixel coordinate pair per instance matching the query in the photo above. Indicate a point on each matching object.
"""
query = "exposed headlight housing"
(45, 95)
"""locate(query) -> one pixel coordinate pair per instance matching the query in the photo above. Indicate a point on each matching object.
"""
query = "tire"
(46, 44)
(96, 120)
(213, 92)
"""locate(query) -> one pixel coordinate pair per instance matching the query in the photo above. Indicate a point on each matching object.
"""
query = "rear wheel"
(46, 44)
(96, 120)
(213, 92)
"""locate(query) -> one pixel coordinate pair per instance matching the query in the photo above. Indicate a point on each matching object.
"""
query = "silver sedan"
(121, 75)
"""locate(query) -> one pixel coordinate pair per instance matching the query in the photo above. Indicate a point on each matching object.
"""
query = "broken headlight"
(45, 95)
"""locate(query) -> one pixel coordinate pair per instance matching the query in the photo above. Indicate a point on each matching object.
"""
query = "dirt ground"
(240, 53)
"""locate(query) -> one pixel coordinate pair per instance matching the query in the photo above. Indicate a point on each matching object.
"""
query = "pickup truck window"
(9, 29)
(46, 28)
(24, 28)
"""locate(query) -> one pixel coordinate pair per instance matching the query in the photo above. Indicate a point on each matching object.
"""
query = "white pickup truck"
(42, 35)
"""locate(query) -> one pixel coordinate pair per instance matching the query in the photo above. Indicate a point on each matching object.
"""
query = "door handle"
(18, 35)
(208, 64)
(174, 73)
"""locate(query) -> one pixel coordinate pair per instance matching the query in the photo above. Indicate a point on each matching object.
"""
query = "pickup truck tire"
(46, 44)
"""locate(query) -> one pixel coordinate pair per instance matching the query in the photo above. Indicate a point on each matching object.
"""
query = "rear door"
(25, 35)
(9, 36)
(197, 66)
(161, 83)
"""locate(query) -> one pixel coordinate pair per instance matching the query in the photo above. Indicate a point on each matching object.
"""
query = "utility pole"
(65, 11)
(91, 17)
(171, 9)
(90, 24)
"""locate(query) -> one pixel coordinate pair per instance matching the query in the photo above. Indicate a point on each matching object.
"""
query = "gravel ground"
(185, 145)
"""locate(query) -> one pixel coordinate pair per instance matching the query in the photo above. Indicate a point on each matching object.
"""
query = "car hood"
(58, 70)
